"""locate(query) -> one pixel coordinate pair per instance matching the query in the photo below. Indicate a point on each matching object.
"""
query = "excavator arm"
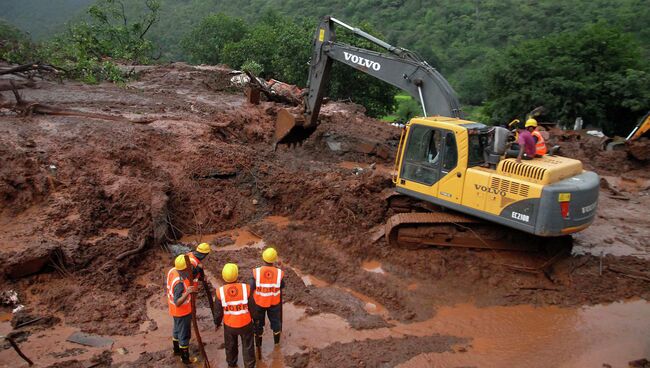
(397, 66)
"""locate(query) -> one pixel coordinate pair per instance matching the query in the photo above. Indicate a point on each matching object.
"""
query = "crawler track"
(423, 229)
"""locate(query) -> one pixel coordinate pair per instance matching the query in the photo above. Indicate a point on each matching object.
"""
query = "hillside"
(458, 37)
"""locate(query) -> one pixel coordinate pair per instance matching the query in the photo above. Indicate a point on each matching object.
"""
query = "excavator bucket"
(290, 128)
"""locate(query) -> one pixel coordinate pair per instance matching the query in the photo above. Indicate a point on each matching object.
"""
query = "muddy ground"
(88, 207)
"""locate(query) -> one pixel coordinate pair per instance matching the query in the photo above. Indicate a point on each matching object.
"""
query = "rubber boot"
(185, 356)
(177, 348)
(276, 337)
(258, 347)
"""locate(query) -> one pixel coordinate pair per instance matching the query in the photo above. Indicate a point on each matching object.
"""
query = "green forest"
(585, 58)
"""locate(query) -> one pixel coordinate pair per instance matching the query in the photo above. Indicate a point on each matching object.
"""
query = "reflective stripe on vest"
(540, 146)
(173, 278)
(195, 263)
(235, 312)
(193, 260)
(267, 294)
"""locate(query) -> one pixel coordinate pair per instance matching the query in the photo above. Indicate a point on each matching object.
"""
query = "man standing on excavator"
(540, 145)
(267, 284)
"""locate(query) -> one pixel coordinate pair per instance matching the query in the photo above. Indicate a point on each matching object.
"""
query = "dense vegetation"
(87, 49)
(596, 73)
(472, 42)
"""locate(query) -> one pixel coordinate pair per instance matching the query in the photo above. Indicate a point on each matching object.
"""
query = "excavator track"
(424, 229)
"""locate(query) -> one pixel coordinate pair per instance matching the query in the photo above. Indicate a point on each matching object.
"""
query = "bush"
(253, 67)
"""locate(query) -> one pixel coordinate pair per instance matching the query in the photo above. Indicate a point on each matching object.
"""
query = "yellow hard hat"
(179, 263)
(230, 272)
(269, 255)
(531, 122)
(203, 248)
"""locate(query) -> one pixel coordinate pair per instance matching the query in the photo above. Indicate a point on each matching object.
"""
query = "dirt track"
(86, 207)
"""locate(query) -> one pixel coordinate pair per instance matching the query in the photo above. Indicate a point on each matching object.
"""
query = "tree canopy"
(281, 48)
(596, 73)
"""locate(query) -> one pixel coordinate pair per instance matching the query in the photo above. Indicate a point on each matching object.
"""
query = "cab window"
(451, 153)
(423, 155)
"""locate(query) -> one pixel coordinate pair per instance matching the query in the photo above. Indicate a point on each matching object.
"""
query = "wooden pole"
(15, 346)
(206, 362)
(206, 287)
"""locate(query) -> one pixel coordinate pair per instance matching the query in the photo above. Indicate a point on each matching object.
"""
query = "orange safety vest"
(234, 300)
(540, 147)
(173, 278)
(195, 263)
(267, 286)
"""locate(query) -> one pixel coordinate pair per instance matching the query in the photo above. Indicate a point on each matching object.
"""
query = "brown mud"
(87, 208)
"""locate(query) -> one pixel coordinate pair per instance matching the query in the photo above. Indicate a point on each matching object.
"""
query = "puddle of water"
(310, 280)
(523, 335)
(373, 266)
(371, 305)
(516, 336)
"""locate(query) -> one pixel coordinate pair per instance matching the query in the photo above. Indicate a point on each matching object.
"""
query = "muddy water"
(541, 337)
(518, 336)
(373, 266)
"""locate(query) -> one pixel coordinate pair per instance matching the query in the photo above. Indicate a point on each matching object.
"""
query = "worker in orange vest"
(234, 298)
(179, 295)
(540, 145)
(267, 284)
(196, 256)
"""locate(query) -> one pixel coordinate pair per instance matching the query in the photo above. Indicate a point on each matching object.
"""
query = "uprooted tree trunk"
(6, 85)
(26, 108)
(17, 70)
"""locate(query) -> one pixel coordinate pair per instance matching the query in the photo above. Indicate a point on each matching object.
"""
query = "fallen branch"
(26, 108)
(130, 252)
(27, 323)
(6, 85)
(30, 67)
(15, 346)
(630, 273)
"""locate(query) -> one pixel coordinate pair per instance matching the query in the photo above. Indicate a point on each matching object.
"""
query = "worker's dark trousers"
(511, 153)
(275, 318)
(182, 331)
(232, 348)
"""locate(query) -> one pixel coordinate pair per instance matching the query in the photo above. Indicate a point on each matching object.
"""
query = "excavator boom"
(397, 66)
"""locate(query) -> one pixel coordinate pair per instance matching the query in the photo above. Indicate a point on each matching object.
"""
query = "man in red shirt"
(526, 143)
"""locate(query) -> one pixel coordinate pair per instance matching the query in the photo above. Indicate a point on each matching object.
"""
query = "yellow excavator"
(467, 193)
